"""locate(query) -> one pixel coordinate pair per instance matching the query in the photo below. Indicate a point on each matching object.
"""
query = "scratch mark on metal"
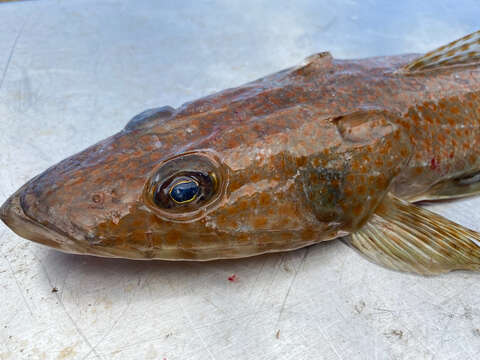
(196, 332)
(291, 284)
(190, 322)
(253, 286)
(12, 50)
(267, 286)
(20, 290)
(114, 325)
(213, 304)
(331, 344)
(60, 301)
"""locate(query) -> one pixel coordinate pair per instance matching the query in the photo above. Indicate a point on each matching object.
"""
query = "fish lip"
(13, 215)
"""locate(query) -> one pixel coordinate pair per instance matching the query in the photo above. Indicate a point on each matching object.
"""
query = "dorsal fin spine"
(464, 51)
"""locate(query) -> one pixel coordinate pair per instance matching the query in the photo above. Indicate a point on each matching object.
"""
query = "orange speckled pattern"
(294, 158)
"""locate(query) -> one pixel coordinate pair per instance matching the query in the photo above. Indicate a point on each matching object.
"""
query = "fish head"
(175, 184)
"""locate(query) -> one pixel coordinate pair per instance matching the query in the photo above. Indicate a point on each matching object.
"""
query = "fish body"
(316, 152)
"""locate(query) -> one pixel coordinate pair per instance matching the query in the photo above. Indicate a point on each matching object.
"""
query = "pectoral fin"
(462, 186)
(405, 237)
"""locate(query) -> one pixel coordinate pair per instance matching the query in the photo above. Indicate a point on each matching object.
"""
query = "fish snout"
(13, 215)
(63, 206)
(11, 212)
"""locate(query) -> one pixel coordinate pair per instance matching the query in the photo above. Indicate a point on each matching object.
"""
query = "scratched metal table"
(74, 72)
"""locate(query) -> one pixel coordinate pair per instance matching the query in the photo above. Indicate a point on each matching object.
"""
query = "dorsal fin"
(313, 63)
(464, 51)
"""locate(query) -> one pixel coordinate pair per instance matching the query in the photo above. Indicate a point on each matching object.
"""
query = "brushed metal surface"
(74, 72)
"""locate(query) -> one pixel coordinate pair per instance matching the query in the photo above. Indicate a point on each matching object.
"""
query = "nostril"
(97, 198)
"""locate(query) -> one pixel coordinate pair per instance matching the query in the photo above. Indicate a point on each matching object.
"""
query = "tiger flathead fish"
(328, 149)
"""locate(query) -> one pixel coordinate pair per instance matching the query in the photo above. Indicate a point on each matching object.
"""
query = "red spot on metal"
(232, 278)
(433, 164)
(451, 155)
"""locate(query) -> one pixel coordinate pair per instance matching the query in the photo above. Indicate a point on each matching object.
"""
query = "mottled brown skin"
(307, 154)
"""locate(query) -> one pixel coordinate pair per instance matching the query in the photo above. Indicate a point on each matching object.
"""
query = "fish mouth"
(14, 216)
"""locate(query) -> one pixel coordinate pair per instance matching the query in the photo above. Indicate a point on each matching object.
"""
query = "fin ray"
(405, 237)
(461, 186)
(463, 51)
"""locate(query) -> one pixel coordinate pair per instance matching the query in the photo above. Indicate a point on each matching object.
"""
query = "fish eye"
(186, 187)
(184, 191)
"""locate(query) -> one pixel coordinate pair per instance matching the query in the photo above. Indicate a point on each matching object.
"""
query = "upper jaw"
(13, 215)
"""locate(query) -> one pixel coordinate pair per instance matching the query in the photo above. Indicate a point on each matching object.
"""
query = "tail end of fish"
(464, 51)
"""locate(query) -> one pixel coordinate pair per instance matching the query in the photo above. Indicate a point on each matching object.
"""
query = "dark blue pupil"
(184, 191)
